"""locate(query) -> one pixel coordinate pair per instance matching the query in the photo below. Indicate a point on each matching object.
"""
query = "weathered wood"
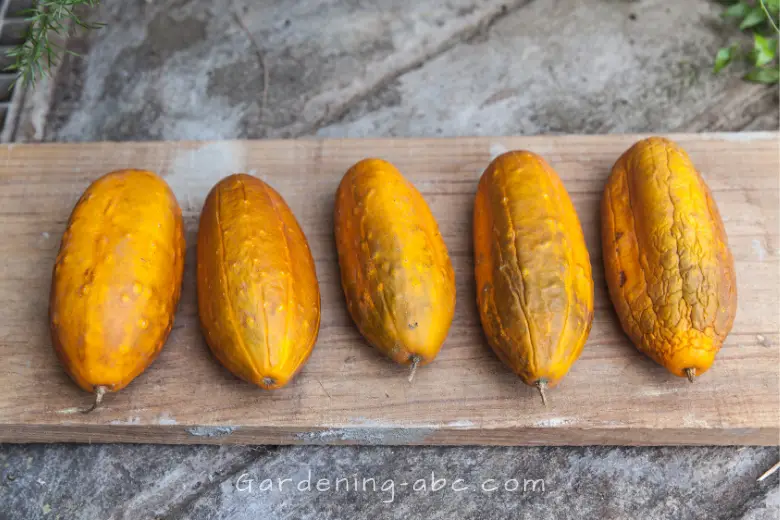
(347, 393)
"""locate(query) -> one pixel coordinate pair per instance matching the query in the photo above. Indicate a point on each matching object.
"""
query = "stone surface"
(162, 482)
(198, 70)
(181, 69)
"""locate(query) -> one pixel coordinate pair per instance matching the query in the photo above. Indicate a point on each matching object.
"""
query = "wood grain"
(347, 393)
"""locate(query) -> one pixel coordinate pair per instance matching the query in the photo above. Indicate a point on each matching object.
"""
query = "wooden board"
(347, 393)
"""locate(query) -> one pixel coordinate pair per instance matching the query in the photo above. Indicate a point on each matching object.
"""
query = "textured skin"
(534, 281)
(258, 296)
(396, 274)
(668, 266)
(117, 279)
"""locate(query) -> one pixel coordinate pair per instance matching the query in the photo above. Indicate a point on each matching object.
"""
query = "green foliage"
(760, 17)
(724, 57)
(753, 18)
(48, 19)
(768, 75)
(764, 50)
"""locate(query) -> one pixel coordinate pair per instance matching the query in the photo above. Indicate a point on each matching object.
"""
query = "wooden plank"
(347, 393)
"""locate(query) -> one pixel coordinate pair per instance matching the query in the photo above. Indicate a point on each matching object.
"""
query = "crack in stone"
(177, 509)
(335, 111)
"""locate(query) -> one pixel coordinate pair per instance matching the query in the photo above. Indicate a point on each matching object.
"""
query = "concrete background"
(193, 69)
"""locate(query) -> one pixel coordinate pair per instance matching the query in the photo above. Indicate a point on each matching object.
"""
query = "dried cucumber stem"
(690, 374)
(541, 385)
(415, 362)
(100, 391)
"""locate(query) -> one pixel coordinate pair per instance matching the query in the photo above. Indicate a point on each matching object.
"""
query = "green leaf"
(766, 75)
(772, 11)
(764, 50)
(739, 10)
(772, 5)
(34, 57)
(754, 17)
(723, 58)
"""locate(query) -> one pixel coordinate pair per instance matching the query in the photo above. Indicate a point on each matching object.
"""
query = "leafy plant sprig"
(760, 17)
(40, 51)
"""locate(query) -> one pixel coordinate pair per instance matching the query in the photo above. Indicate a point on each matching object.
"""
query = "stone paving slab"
(192, 69)
(197, 70)
(136, 482)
